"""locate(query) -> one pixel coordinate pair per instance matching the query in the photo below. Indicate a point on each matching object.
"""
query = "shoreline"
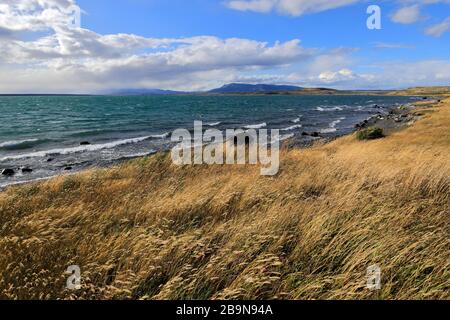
(399, 117)
(229, 233)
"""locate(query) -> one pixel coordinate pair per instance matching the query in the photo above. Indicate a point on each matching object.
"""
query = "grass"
(150, 230)
(424, 91)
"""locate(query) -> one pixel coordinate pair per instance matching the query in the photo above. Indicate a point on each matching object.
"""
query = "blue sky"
(304, 42)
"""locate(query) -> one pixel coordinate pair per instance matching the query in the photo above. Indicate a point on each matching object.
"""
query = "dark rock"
(27, 170)
(50, 159)
(8, 172)
(84, 143)
(425, 98)
(305, 133)
(68, 168)
(315, 134)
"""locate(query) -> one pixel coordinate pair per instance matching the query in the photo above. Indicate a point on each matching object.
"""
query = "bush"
(370, 134)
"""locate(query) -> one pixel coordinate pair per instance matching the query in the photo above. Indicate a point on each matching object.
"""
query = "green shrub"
(370, 134)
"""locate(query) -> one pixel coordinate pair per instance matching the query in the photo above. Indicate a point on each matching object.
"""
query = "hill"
(423, 91)
(144, 92)
(252, 88)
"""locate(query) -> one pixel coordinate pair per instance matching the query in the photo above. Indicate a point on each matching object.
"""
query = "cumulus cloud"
(35, 15)
(407, 15)
(388, 75)
(65, 56)
(53, 57)
(289, 7)
(343, 74)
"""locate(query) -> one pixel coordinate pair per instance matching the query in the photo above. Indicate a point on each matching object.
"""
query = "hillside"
(150, 230)
(436, 91)
(253, 88)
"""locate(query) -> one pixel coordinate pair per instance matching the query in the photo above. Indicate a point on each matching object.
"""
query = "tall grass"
(150, 230)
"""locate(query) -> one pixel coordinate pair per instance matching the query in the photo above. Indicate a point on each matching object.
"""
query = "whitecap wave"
(14, 143)
(283, 137)
(256, 126)
(64, 151)
(160, 136)
(322, 109)
(296, 120)
(332, 127)
(298, 126)
(213, 124)
(328, 130)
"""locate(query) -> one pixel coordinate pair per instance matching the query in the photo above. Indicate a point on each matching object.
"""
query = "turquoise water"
(35, 130)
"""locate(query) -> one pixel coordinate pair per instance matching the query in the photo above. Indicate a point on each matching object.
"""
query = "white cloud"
(331, 77)
(439, 29)
(385, 45)
(407, 15)
(34, 15)
(55, 58)
(289, 7)
(106, 61)
(392, 75)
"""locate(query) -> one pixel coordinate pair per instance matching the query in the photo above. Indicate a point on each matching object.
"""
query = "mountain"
(144, 92)
(253, 88)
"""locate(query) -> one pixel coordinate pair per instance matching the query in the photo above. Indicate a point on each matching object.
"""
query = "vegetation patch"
(370, 134)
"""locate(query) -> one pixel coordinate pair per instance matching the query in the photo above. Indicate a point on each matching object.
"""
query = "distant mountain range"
(226, 89)
(144, 92)
(253, 88)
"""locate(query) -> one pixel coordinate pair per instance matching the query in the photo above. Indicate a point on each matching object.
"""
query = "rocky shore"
(397, 118)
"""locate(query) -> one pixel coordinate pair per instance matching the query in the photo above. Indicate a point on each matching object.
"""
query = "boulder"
(84, 143)
(50, 159)
(8, 172)
(68, 168)
(27, 170)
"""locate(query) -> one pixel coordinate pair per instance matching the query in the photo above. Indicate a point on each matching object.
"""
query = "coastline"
(150, 230)
(398, 118)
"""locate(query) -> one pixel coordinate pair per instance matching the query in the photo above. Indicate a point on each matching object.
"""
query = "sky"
(202, 44)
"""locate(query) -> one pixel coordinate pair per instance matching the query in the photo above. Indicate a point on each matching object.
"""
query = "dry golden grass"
(151, 230)
(439, 91)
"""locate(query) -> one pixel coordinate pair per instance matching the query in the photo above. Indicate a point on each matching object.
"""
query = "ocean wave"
(298, 126)
(332, 126)
(135, 155)
(284, 137)
(322, 109)
(160, 136)
(213, 124)
(296, 120)
(13, 143)
(19, 144)
(256, 126)
(64, 151)
(328, 130)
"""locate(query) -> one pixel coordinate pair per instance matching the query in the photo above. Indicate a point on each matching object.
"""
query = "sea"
(51, 134)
